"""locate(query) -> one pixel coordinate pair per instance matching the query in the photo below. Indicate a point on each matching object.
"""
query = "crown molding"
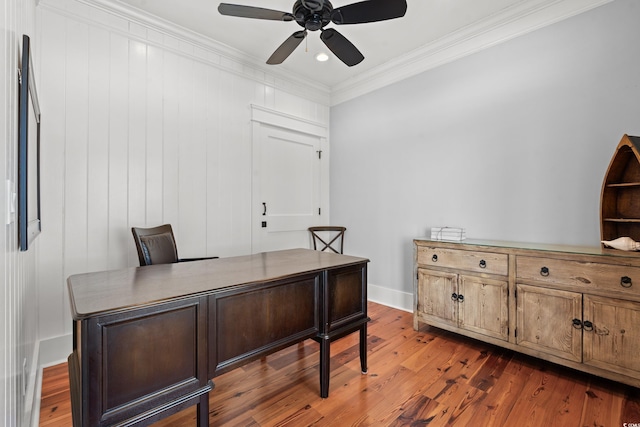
(522, 18)
(139, 25)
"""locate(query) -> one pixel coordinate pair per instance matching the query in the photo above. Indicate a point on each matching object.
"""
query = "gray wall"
(511, 143)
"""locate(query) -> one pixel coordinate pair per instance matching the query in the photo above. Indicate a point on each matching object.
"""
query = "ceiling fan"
(314, 15)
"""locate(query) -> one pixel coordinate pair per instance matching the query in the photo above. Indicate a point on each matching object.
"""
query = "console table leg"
(325, 360)
(363, 349)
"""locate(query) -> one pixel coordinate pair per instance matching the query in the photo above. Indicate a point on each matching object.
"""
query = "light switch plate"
(10, 215)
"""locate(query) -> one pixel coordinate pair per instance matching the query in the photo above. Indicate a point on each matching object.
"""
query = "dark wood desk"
(148, 340)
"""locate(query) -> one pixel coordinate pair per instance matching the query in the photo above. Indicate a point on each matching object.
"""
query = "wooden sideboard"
(574, 306)
(148, 340)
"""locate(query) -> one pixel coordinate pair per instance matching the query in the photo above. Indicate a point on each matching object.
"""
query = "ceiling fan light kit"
(314, 15)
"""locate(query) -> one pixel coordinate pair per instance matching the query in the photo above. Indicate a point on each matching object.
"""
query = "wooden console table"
(148, 340)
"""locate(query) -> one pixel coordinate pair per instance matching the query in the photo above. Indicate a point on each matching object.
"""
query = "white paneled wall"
(18, 292)
(143, 126)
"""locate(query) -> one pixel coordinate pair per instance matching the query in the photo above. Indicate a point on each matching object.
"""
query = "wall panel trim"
(287, 121)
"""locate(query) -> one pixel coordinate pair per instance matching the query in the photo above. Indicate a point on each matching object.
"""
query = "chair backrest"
(155, 245)
(328, 237)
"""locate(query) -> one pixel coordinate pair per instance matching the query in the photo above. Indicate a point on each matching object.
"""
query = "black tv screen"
(29, 221)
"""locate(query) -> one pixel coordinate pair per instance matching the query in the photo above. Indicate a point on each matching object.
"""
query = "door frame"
(264, 116)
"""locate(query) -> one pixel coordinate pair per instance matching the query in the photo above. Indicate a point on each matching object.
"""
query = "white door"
(286, 187)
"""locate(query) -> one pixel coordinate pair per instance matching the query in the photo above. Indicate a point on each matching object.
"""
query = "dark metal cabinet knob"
(483, 264)
(544, 271)
(625, 282)
(434, 258)
(577, 323)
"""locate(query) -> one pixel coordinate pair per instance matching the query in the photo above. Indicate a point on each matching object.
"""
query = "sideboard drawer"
(480, 262)
(586, 275)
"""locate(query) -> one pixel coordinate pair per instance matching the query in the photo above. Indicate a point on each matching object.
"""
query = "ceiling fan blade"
(287, 47)
(341, 47)
(369, 11)
(253, 12)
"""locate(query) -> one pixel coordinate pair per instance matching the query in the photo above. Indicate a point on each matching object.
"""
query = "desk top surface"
(117, 290)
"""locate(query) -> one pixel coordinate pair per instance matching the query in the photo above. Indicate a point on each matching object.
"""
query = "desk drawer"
(587, 275)
(481, 262)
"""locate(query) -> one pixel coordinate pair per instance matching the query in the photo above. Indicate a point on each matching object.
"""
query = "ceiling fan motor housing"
(313, 15)
(313, 5)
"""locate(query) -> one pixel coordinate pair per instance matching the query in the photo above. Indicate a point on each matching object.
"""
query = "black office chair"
(320, 233)
(157, 245)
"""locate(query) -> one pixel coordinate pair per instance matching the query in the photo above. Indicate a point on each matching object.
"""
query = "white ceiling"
(428, 26)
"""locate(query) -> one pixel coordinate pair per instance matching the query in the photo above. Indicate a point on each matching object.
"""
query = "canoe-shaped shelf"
(620, 198)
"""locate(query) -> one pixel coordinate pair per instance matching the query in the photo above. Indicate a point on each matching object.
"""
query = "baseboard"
(55, 350)
(35, 406)
(32, 396)
(51, 352)
(390, 297)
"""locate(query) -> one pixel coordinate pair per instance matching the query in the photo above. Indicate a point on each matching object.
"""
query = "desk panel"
(346, 299)
(144, 359)
(252, 321)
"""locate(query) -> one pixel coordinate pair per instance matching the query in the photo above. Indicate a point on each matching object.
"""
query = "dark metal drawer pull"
(588, 326)
(625, 282)
(577, 323)
(483, 263)
(456, 297)
(434, 258)
(544, 271)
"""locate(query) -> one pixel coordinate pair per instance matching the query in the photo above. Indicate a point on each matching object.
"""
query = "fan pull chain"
(306, 45)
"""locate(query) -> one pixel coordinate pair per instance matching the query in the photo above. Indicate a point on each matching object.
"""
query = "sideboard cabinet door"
(484, 307)
(435, 290)
(474, 303)
(545, 319)
(612, 341)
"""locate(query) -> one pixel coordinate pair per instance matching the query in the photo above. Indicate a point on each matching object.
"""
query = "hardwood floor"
(427, 377)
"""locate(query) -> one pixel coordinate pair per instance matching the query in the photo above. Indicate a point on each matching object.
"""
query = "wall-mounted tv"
(29, 224)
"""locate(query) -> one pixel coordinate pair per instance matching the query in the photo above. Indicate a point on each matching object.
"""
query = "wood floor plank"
(418, 410)
(542, 400)
(500, 400)
(462, 404)
(491, 370)
(352, 412)
(398, 388)
(603, 406)
(415, 378)
(631, 406)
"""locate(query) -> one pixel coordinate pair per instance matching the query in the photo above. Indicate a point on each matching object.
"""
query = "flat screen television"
(29, 221)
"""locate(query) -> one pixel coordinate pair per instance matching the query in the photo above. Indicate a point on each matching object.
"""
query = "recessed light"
(322, 57)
